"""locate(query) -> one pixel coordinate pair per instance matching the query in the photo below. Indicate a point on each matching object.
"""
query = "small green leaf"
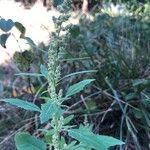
(24, 141)
(44, 71)
(76, 88)
(29, 74)
(91, 105)
(131, 96)
(1, 87)
(22, 104)
(138, 82)
(138, 113)
(6, 25)
(48, 109)
(21, 28)
(3, 39)
(57, 2)
(30, 41)
(109, 141)
(32, 44)
(78, 73)
(75, 31)
(68, 119)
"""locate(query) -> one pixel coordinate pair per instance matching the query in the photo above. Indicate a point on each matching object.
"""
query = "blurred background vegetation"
(111, 37)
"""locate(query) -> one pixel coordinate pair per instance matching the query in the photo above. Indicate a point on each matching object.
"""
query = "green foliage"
(68, 119)
(75, 30)
(23, 59)
(21, 28)
(76, 88)
(22, 104)
(3, 39)
(24, 141)
(79, 73)
(48, 110)
(44, 71)
(57, 2)
(91, 140)
(6, 25)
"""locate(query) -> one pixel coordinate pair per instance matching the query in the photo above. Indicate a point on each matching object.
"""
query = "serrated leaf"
(97, 142)
(48, 109)
(87, 138)
(24, 141)
(109, 141)
(6, 25)
(76, 88)
(3, 39)
(44, 71)
(22, 104)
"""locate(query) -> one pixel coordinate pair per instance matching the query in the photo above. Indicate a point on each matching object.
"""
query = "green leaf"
(21, 28)
(138, 82)
(24, 141)
(44, 71)
(98, 142)
(109, 141)
(29, 74)
(6, 25)
(78, 73)
(3, 39)
(131, 96)
(86, 138)
(30, 41)
(68, 119)
(57, 2)
(75, 31)
(32, 44)
(76, 88)
(22, 104)
(48, 109)
(138, 113)
(78, 58)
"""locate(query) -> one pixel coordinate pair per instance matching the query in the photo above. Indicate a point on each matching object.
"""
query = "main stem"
(56, 136)
(53, 76)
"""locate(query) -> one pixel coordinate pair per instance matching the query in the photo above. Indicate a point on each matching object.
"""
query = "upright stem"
(53, 77)
(85, 6)
(56, 136)
(54, 54)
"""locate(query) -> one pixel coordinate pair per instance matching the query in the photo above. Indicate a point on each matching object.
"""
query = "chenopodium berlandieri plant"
(54, 72)
(52, 111)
